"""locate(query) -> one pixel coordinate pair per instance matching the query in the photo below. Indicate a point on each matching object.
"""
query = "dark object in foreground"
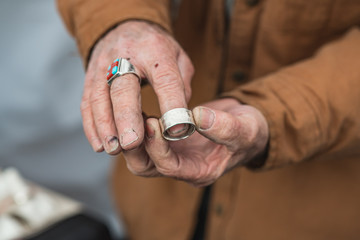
(74, 228)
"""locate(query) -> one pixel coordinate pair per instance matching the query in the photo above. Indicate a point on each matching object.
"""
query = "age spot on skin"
(156, 65)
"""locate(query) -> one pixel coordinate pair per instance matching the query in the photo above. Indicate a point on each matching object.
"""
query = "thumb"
(220, 127)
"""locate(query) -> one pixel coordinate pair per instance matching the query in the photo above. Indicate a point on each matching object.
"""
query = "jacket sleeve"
(89, 20)
(313, 106)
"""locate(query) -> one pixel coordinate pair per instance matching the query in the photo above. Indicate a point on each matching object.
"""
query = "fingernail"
(150, 132)
(178, 130)
(207, 117)
(111, 144)
(96, 145)
(98, 148)
(128, 137)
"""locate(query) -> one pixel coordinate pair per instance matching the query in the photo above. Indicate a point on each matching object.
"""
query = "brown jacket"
(299, 63)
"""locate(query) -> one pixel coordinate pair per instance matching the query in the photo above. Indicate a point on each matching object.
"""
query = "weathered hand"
(229, 135)
(113, 115)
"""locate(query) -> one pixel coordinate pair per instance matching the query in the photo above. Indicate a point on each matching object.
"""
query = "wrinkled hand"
(113, 115)
(229, 134)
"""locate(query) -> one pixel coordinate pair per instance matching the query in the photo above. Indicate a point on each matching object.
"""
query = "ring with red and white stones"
(120, 67)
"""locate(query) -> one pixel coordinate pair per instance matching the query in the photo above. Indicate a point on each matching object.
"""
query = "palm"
(197, 156)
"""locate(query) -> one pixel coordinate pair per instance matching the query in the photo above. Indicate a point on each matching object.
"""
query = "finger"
(89, 126)
(87, 116)
(139, 162)
(186, 166)
(103, 117)
(159, 151)
(187, 72)
(168, 85)
(225, 128)
(126, 102)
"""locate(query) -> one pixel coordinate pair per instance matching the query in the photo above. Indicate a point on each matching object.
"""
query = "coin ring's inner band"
(175, 117)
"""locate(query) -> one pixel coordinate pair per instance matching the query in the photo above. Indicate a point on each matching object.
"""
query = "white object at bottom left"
(27, 209)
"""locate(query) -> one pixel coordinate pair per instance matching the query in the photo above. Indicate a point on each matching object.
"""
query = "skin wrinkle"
(208, 171)
(98, 97)
(147, 169)
(227, 134)
(216, 170)
(166, 77)
(121, 89)
(103, 120)
(164, 153)
(171, 169)
(144, 167)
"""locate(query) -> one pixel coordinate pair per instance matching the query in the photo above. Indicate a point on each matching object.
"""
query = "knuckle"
(168, 82)
(156, 38)
(124, 112)
(116, 90)
(103, 120)
(168, 87)
(165, 171)
(168, 74)
(135, 171)
(161, 41)
(139, 169)
(123, 86)
(98, 97)
(170, 93)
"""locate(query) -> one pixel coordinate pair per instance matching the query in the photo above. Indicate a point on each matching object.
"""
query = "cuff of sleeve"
(272, 147)
(96, 18)
(290, 135)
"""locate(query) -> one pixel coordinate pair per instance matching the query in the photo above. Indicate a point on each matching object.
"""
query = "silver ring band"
(175, 117)
(120, 67)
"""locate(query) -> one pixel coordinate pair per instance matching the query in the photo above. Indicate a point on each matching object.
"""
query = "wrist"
(259, 160)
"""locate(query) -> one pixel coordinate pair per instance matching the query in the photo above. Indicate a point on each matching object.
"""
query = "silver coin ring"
(175, 117)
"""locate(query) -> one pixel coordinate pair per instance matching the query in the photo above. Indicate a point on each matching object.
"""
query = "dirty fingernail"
(111, 144)
(128, 137)
(207, 117)
(97, 145)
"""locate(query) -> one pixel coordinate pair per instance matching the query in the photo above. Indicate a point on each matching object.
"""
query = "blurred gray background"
(40, 122)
